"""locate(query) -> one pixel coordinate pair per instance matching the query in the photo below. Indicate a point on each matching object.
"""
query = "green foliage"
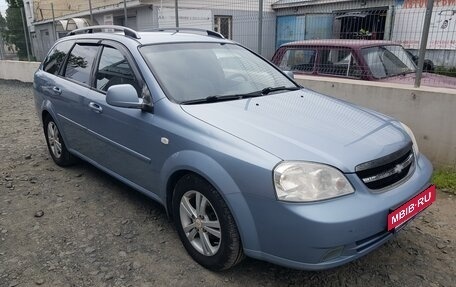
(445, 179)
(2, 24)
(14, 32)
(446, 71)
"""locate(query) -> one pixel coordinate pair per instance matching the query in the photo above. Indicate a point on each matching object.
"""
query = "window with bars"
(224, 25)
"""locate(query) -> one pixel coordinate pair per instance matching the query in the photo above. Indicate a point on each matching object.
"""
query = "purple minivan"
(383, 61)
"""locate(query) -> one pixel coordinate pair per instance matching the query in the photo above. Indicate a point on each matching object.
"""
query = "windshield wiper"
(212, 99)
(268, 90)
(217, 98)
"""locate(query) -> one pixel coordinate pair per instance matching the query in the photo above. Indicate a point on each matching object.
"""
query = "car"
(245, 161)
(369, 60)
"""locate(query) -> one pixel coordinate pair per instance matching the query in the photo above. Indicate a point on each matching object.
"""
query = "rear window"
(79, 65)
(299, 60)
(55, 58)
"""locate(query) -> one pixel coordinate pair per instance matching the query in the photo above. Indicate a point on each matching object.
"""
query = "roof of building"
(294, 3)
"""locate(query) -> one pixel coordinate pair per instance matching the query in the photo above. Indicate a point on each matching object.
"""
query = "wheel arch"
(193, 162)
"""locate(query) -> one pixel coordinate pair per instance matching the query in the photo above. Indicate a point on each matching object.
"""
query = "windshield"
(193, 71)
(388, 61)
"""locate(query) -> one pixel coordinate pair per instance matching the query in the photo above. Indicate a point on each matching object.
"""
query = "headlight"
(410, 133)
(301, 181)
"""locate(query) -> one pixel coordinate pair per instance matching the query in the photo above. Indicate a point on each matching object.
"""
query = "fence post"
(91, 14)
(1, 46)
(54, 30)
(423, 44)
(25, 34)
(125, 13)
(176, 11)
(260, 26)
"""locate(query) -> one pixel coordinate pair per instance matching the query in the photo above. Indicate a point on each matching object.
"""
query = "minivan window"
(194, 71)
(114, 70)
(56, 57)
(79, 64)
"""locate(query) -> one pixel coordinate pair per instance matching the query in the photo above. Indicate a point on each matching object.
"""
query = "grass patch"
(445, 179)
(451, 71)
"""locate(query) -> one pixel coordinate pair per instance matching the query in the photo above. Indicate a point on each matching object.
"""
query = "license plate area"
(398, 218)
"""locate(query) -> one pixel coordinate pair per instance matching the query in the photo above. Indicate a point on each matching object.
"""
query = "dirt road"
(80, 227)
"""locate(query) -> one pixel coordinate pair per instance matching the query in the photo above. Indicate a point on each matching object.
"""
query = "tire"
(213, 252)
(428, 66)
(55, 144)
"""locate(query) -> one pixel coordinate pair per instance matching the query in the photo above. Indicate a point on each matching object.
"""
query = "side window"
(300, 60)
(340, 62)
(55, 58)
(114, 70)
(79, 64)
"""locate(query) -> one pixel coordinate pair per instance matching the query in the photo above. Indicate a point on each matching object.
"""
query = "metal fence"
(335, 34)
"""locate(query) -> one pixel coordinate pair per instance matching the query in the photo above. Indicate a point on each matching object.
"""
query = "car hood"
(305, 125)
(428, 79)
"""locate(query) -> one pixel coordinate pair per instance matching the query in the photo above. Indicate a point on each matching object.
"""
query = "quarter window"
(56, 57)
(114, 70)
(79, 64)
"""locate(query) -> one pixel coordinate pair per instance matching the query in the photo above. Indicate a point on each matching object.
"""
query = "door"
(71, 89)
(123, 140)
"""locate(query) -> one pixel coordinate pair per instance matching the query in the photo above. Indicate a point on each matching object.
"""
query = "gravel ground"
(80, 227)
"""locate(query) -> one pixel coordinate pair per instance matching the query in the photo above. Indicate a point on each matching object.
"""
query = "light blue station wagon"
(245, 161)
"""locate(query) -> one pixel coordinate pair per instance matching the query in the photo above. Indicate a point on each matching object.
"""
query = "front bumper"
(326, 234)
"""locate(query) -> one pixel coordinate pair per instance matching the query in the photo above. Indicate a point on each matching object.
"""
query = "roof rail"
(178, 29)
(127, 31)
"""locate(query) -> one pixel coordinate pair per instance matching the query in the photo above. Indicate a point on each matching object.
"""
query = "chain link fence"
(328, 31)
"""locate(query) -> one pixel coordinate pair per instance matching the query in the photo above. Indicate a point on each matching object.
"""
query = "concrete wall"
(429, 112)
(18, 70)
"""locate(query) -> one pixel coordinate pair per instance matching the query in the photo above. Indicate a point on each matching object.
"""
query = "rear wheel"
(205, 224)
(55, 143)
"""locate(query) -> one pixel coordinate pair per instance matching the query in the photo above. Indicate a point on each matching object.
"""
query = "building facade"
(237, 21)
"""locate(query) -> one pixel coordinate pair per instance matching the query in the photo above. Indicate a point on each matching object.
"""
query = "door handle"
(95, 107)
(57, 90)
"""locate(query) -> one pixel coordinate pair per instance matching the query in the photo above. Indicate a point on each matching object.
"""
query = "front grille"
(388, 170)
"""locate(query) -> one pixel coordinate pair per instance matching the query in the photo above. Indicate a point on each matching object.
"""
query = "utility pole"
(25, 34)
(423, 44)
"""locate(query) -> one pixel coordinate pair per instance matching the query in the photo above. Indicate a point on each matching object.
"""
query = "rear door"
(73, 87)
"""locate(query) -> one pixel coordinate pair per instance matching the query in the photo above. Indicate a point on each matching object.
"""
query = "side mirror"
(290, 74)
(124, 96)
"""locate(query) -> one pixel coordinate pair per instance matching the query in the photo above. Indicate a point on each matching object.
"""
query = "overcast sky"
(3, 7)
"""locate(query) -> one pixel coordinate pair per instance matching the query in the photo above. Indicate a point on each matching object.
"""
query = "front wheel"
(205, 224)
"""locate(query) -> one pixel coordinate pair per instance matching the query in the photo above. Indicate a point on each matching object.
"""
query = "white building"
(236, 20)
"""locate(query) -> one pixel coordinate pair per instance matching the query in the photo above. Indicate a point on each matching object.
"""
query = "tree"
(2, 24)
(14, 33)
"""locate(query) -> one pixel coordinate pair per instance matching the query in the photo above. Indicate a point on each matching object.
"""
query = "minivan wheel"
(205, 224)
(55, 143)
